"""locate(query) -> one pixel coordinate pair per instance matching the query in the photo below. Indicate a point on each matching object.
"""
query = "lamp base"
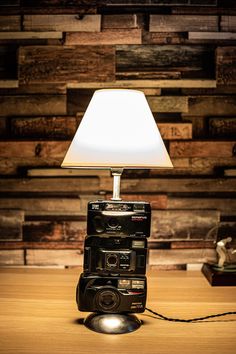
(110, 323)
(220, 276)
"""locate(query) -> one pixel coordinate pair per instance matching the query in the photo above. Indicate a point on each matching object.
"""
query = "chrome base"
(110, 323)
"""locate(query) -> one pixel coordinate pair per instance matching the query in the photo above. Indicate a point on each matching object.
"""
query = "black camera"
(115, 255)
(111, 294)
(115, 218)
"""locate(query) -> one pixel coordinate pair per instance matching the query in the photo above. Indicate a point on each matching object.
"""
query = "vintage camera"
(115, 218)
(111, 294)
(115, 255)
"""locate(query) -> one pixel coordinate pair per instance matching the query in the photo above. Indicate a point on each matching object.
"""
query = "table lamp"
(118, 131)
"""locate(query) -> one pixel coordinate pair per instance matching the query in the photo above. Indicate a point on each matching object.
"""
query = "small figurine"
(222, 251)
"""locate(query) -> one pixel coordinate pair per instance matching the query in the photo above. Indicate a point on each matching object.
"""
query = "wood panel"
(175, 131)
(30, 35)
(124, 36)
(212, 105)
(184, 224)
(222, 127)
(168, 103)
(11, 257)
(202, 149)
(11, 222)
(225, 65)
(66, 64)
(207, 37)
(32, 105)
(183, 23)
(54, 257)
(65, 23)
(224, 205)
(118, 21)
(161, 257)
(228, 23)
(10, 23)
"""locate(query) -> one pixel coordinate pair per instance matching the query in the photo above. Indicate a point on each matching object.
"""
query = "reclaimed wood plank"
(224, 205)
(211, 36)
(56, 186)
(175, 131)
(46, 89)
(30, 35)
(179, 23)
(56, 207)
(118, 21)
(230, 172)
(168, 103)
(66, 64)
(10, 23)
(164, 37)
(32, 105)
(5, 84)
(144, 75)
(212, 105)
(11, 257)
(59, 172)
(56, 127)
(11, 222)
(54, 257)
(226, 65)
(202, 148)
(42, 245)
(64, 23)
(184, 224)
(222, 127)
(173, 185)
(54, 231)
(153, 57)
(228, 23)
(184, 83)
(163, 257)
(124, 36)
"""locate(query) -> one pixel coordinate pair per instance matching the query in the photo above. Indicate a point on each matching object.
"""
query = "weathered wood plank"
(168, 257)
(179, 23)
(230, 172)
(66, 64)
(202, 148)
(118, 21)
(185, 83)
(162, 2)
(168, 103)
(32, 105)
(124, 36)
(30, 35)
(5, 84)
(212, 105)
(228, 23)
(211, 36)
(54, 257)
(222, 127)
(46, 89)
(173, 185)
(224, 205)
(226, 65)
(11, 222)
(54, 231)
(10, 23)
(65, 23)
(42, 245)
(175, 131)
(49, 186)
(184, 224)
(59, 172)
(164, 37)
(153, 57)
(152, 75)
(56, 207)
(63, 127)
(11, 257)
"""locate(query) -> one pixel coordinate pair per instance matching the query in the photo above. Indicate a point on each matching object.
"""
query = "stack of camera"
(115, 253)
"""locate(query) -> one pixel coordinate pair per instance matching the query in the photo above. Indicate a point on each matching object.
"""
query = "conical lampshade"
(117, 131)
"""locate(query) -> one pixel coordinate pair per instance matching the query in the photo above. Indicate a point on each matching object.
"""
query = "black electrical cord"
(191, 319)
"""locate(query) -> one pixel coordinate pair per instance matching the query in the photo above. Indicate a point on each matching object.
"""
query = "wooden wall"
(53, 55)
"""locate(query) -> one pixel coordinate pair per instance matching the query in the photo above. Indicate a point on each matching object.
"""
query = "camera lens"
(113, 223)
(112, 260)
(107, 300)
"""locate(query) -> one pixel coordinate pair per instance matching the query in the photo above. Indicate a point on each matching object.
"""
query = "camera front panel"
(119, 219)
(111, 294)
(106, 256)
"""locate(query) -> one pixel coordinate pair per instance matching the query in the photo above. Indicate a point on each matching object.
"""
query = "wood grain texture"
(66, 64)
(168, 103)
(10, 23)
(11, 257)
(183, 23)
(228, 23)
(158, 257)
(222, 127)
(202, 149)
(65, 23)
(212, 105)
(11, 222)
(118, 21)
(225, 65)
(175, 131)
(54, 257)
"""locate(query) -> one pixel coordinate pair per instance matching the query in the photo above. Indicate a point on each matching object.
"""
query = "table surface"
(39, 315)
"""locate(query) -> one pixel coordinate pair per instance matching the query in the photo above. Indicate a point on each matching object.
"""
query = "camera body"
(111, 294)
(124, 219)
(115, 254)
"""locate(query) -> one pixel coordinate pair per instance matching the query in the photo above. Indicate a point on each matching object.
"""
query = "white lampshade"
(117, 131)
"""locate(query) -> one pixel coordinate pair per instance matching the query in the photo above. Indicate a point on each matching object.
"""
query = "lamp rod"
(116, 173)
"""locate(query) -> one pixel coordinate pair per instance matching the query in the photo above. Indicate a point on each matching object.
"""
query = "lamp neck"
(116, 173)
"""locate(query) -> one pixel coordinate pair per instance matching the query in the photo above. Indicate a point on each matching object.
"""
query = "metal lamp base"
(110, 323)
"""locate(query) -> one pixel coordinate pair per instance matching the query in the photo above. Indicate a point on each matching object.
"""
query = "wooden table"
(39, 315)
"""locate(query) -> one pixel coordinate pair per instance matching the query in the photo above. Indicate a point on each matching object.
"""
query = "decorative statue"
(222, 251)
